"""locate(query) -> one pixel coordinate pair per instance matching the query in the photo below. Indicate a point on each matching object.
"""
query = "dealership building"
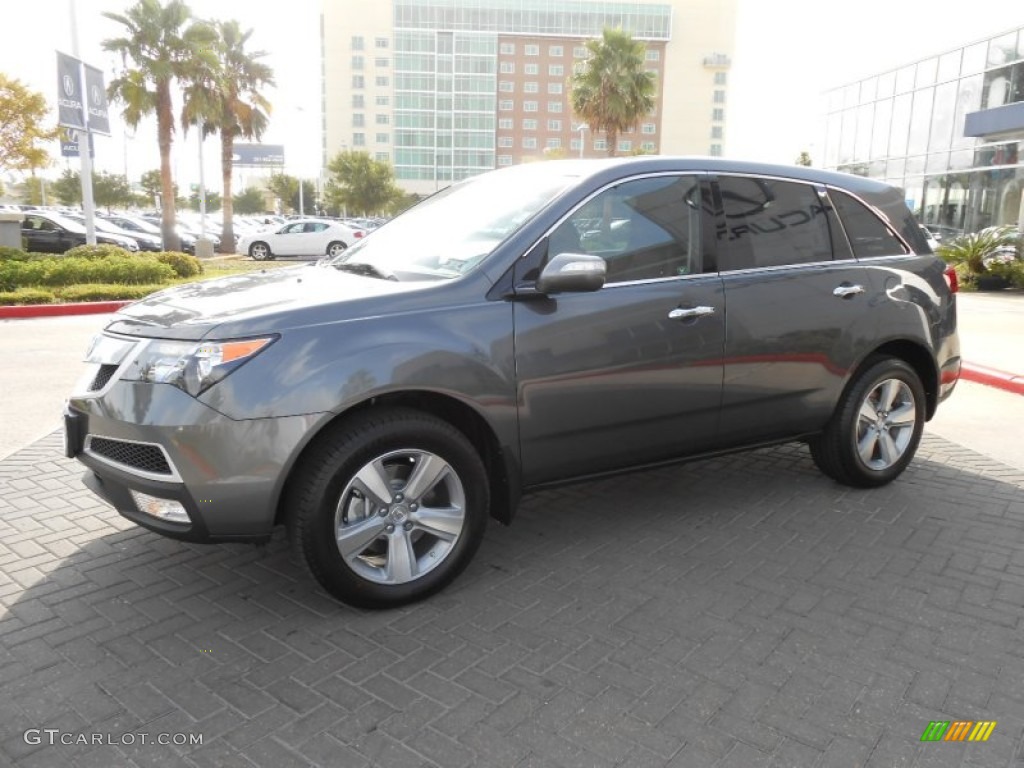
(445, 89)
(948, 129)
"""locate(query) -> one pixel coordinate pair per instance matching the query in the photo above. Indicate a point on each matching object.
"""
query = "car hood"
(256, 302)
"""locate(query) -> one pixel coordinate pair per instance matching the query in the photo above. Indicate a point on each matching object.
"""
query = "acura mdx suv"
(535, 325)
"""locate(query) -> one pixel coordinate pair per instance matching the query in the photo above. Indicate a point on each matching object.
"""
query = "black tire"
(327, 497)
(260, 251)
(336, 248)
(862, 452)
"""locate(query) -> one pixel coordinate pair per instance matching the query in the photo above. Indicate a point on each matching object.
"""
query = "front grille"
(102, 377)
(140, 456)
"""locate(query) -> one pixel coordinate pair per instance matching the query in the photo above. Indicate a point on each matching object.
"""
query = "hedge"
(183, 264)
(105, 292)
(98, 251)
(27, 296)
(69, 270)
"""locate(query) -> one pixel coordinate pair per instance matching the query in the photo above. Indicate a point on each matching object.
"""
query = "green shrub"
(183, 264)
(12, 254)
(15, 274)
(69, 270)
(98, 251)
(105, 292)
(26, 296)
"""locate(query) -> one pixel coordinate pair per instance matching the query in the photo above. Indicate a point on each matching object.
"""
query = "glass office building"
(446, 89)
(948, 129)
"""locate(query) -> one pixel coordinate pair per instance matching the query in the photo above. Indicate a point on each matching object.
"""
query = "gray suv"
(539, 324)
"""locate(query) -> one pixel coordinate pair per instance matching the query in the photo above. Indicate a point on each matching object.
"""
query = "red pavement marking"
(1010, 382)
(55, 310)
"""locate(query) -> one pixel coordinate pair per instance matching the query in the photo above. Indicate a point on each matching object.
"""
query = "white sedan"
(301, 237)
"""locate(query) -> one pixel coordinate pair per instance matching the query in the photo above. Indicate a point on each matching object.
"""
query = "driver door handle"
(686, 314)
(846, 290)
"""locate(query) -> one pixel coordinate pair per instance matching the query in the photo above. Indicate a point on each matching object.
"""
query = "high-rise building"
(445, 89)
(948, 129)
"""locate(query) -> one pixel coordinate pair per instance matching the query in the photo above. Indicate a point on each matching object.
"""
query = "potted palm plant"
(988, 260)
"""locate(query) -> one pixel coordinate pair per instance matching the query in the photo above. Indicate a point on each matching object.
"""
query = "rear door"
(631, 373)
(797, 306)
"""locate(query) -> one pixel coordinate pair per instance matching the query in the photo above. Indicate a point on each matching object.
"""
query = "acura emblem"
(69, 86)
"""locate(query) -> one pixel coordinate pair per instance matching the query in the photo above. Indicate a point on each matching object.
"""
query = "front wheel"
(336, 248)
(390, 507)
(259, 251)
(875, 430)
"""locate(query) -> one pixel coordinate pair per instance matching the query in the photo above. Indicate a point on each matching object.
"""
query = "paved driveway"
(735, 612)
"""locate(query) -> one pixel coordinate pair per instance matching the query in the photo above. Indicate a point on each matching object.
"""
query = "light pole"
(580, 129)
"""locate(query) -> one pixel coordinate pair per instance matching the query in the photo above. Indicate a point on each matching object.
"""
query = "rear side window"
(869, 235)
(771, 223)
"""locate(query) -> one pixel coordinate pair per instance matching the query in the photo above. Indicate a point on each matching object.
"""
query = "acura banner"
(70, 107)
(96, 99)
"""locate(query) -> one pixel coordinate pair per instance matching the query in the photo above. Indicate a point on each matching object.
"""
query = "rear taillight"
(951, 279)
(358, 233)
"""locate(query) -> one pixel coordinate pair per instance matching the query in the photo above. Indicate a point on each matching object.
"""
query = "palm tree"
(161, 49)
(613, 91)
(225, 99)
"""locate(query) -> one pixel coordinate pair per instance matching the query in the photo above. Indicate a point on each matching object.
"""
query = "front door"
(631, 373)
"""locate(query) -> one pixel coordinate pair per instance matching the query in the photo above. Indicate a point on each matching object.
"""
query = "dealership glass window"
(505, 124)
(383, 119)
(719, 97)
(847, 135)
(961, 159)
(357, 101)
(647, 146)
(504, 159)
(554, 88)
(905, 79)
(383, 138)
(529, 124)
(772, 223)
(974, 59)
(358, 119)
(381, 61)
(880, 131)
(531, 69)
(851, 95)
(357, 62)
(507, 49)
(554, 125)
(506, 86)
(915, 165)
(868, 235)
(380, 42)
(555, 51)
(357, 42)
(996, 90)
(382, 101)
(382, 81)
(896, 168)
(556, 70)
(886, 85)
(531, 50)
(1002, 50)
(937, 162)
(926, 71)
(529, 142)
(718, 114)
(529, 106)
(505, 105)
(862, 144)
(942, 117)
(648, 128)
(833, 127)
(507, 67)
(652, 54)
(867, 90)
(358, 139)
(1017, 83)
(949, 66)
(900, 129)
(625, 145)
(554, 106)
(716, 132)
(719, 78)
(504, 141)
(715, 150)
(531, 87)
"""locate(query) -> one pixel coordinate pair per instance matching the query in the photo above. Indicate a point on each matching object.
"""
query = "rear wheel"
(390, 507)
(336, 248)
(260, 251)
(876, 428)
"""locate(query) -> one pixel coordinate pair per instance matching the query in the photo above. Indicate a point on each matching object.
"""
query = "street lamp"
(580, 129)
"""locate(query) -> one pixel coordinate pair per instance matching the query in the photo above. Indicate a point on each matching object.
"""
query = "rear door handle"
(846, 290)
(686, 314)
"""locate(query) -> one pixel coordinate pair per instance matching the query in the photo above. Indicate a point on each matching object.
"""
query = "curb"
(993, 377)
(57, 310)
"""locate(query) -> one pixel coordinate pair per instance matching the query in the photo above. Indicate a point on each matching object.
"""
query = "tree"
(284, 188)
(361, 185)
(68, 188)
(35, 191)
(613, 90)
(22, 112)
(162, 50)
(151, 184)
(804, 159)
(226, 99)
(249, 201)
(213, 201)
(111, 189)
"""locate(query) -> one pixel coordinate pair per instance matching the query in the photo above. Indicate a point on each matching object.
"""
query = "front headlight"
(192, 366)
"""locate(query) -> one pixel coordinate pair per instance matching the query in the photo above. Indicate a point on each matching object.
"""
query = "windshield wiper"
(364, 268)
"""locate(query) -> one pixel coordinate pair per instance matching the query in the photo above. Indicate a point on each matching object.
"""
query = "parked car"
(145, 242)
(305, 237)
(382, 405)
(186, 233)
(139, 225)
(56, 233)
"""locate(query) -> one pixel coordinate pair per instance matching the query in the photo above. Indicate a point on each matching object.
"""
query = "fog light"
(162, 509)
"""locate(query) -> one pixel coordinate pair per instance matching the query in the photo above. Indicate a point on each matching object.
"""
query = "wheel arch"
(917, 356)
(502, 468)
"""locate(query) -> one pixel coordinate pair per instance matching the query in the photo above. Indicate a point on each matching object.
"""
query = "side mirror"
(572, 273)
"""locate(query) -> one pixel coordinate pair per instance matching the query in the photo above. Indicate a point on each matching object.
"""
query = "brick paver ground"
(739, 612)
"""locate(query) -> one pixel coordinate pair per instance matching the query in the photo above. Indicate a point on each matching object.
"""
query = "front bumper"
(226, 474)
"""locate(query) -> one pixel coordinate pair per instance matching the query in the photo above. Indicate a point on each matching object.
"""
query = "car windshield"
(68, 223)
(450, 233)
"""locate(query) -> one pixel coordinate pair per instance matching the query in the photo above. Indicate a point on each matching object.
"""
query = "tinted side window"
(868, 234)
(644, 229)
(771, 223)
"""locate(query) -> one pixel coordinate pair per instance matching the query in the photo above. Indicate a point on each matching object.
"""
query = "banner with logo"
(69, 143)
(96, 100)
(70, 106)
(258, 155)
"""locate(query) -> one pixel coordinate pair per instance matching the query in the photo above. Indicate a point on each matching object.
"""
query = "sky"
(787, 53)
